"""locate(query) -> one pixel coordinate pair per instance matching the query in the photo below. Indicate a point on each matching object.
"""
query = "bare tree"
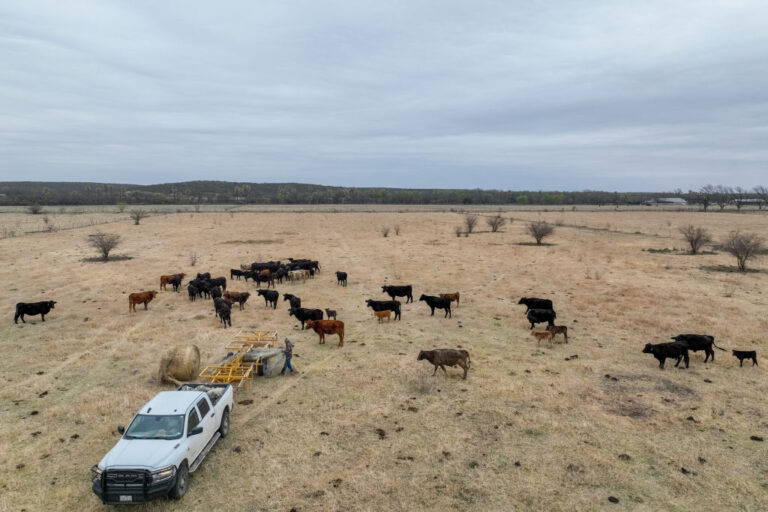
(397, 229)
(762, 195)
(705, 196)
(137, 214)
(743, 246)
(385, 231)
(470, 221)
(697, 237)
(495, 222)
(35, 209)
(539, 230)
(723, 196)
(739, 196)
(104, 243)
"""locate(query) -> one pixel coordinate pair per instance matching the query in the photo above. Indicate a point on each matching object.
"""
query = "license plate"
(126, 498)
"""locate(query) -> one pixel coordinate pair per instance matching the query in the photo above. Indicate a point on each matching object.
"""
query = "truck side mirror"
(121, 429)
(195, 431)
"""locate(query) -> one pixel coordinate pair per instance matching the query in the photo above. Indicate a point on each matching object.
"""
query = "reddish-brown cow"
(323, 327)
(140, 298)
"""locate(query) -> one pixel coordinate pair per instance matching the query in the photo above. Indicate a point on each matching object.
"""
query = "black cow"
(219, 281)
(399, 291)
(383, 305)
(294, 300)
(439, 303)
(270, 296)
(223, 310)
(215, 292)
(267, 278)
(203, 287)
(192, 291)
(662, 351)
(206, 275)
(176, 282)
(33, 308)
(698, 342)
(537, 316)
(235, 273)
(534, 303)
(304, 314)
(280, 274)
(341, 278)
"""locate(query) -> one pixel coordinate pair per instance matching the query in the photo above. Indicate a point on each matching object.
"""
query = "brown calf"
(558, 329)
(546, 335)
(452, 297)
(140, 298)
(381, 315)
(164, 280)
(239, 297)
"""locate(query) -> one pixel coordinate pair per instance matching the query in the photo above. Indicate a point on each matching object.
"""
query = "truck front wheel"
(224, 427)
(182, 482)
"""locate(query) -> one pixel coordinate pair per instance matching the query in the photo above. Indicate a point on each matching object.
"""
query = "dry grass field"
(366, 427)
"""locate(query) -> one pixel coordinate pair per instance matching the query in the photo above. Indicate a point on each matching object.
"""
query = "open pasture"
(366, 427)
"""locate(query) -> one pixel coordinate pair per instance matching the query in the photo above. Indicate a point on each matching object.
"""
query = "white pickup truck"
(166, 441)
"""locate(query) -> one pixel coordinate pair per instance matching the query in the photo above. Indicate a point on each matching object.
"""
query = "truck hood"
(150, 454)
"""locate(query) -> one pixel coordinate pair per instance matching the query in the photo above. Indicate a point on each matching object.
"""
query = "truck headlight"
(96, 473)
(163, 474)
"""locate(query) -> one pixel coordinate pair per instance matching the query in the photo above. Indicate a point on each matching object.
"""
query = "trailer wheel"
(224, 427)
(182, 482)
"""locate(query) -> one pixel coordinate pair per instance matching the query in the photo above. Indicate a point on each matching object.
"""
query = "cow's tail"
(721, 348)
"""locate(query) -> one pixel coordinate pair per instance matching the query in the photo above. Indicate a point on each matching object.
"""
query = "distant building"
(677, 201)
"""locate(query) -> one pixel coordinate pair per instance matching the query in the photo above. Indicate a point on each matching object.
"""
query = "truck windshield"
(155, 427)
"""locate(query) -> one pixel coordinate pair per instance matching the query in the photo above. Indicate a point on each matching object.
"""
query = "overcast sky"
(567, 95)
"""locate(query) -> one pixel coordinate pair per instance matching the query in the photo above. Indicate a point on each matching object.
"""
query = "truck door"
(208, 418)
(197, 442)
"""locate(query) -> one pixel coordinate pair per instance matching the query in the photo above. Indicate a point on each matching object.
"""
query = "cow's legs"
(434, 372)
(42, 315)
(433, 312)
(445, 372)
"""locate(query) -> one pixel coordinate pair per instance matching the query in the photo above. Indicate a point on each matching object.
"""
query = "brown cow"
(558, 329)
(164, 280)
(140, 298)
(446, 356)
(452, 297)
(264, 272)
(546, 335)
(239, 297)
(323, 327)
(381, 315)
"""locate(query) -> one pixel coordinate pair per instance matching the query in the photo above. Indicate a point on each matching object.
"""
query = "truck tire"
(224, 427)
(182, 482)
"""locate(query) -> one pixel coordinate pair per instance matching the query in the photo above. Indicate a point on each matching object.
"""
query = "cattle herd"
(291, 270)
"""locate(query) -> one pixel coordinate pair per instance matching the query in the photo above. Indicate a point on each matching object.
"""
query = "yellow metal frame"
(237, 371)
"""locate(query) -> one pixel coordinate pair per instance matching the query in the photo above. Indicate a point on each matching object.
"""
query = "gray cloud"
(543, 95)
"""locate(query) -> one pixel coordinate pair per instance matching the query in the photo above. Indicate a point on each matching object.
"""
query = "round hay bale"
(181, 363)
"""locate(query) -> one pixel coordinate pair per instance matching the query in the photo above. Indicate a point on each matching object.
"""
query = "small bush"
(458, 230)
(743, 246)
(192, 259)
(138, 214)
(696, 237)
(35, 209)
(385, 231)
(397, 229)
(539, 230)
(104, 243)
(495, 222)
(470, 221)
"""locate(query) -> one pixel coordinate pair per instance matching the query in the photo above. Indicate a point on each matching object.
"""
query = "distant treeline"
(222, 192)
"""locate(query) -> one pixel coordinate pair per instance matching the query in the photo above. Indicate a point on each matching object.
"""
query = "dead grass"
(367, 427)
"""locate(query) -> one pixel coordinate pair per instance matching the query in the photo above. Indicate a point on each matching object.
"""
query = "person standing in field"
(288, 354)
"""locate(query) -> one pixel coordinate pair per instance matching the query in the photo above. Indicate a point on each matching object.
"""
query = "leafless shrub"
(121, 207)
(49, 227)
(743, 246)
(104, 243)
(458, 230)
(192, 259)
(137, 214)
(559, 222)
(470, 221)
(397, 229)
(539, 230)
(495, 222)
(35, 209)
(697, 237)
(385, 231)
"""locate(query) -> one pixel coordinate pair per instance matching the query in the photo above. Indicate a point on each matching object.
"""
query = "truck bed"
(214, 390)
